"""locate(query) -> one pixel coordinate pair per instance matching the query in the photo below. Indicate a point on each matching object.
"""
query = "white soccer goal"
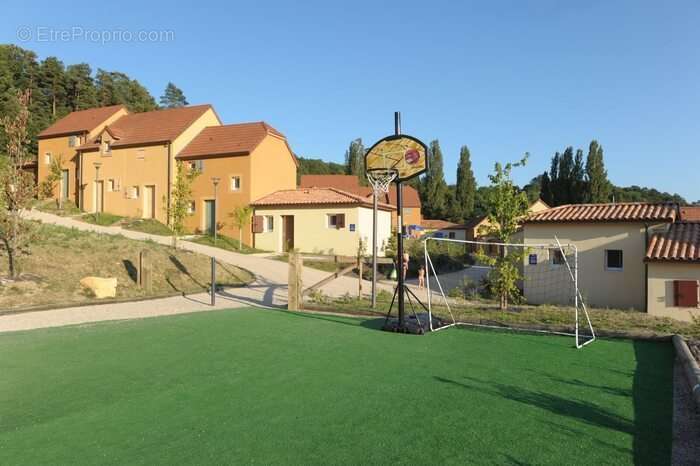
(548, 276)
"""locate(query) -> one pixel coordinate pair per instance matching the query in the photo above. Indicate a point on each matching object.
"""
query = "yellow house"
(62, 139)
(612, 242)
(247, 161)
(319, 221)
(128, 167)
(673, 262)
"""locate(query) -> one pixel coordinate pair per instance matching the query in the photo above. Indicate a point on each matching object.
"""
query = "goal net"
(537, 282)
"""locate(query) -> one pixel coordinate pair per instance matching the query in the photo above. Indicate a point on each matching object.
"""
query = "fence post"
(144, 272)
(295, 298)
(213, 281)
(359, 283)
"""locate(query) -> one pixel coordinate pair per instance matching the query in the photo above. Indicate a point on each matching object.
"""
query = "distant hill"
(318, 167)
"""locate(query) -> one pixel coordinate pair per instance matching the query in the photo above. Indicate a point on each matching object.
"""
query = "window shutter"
(340, 221)
(258, 224)
(685, 293)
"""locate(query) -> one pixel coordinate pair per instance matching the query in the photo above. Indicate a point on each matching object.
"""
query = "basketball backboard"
(404, 154)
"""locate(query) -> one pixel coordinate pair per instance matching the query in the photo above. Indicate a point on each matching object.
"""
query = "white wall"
(364, 228)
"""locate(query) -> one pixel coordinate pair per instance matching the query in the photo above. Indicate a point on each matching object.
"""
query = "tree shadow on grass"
(182, 269)
(588, 413)
(374, 324)
(617, 391)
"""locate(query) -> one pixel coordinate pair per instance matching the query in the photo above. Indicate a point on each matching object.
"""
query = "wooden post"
(295, 298)
(144, 273)
(212, 289)
(359, 283)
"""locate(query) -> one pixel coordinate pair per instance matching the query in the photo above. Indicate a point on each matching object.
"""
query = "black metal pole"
(213, 281)
(399, 232)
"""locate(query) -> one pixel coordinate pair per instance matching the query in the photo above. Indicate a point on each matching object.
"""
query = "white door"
(149, 201)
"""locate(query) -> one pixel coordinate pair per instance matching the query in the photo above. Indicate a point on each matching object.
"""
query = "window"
(107, 148)
(111, 185)
(134, 194)
(685, 293)
(71, 141)
(140, 154)
(191, 206)
(47, 158)
(613, 259)
(532, 259)
(235, 183)
(352, 227)
(335, 221)
(556, 256)
(268, 223)
(197, 165)
(451, 235)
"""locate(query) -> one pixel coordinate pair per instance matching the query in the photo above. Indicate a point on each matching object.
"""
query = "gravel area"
(686, 422)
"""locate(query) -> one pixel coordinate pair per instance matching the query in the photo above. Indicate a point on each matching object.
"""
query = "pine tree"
(52, 83)
(434, 188)
(465, 190)
(173, 97)
(80, 87)
(598, 186)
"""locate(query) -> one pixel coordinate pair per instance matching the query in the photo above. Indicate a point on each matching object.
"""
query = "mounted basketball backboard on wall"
(405, 155)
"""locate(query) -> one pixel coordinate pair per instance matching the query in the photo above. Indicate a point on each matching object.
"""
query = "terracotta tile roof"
(314, 196)
(348, 183)
(690, 213)
(150, 127)
(238, 139)
(618, 212)
(681, 242)
(351, 183)
(429, 224)
(82, 121)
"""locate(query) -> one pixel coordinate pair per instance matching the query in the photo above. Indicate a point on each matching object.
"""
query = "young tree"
(355, 161)
(507, 205)
(434, 188)
(173, 97)
(47, 188)
(180, 199)
(598, 186)
(241, 218)
(16, 186)
(465, 190)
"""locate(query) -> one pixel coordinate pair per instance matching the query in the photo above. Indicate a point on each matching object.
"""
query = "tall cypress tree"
(577, 188)
(598, 186)
(434, 188)
(355, 160)
(546, 189)
(465, 190)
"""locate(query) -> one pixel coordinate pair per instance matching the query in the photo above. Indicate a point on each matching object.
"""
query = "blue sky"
(503, 77)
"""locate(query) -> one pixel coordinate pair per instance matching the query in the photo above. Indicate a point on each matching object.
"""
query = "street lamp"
(215, 180)
(97, 166)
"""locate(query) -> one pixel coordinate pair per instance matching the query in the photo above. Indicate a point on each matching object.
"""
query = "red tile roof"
(151, 127)
(238, 139)
(314, 196)
(351, 183)
(348, 183)
(618, 212)
(690, 213)
(429, 224)
(681, 242)
(82, 121)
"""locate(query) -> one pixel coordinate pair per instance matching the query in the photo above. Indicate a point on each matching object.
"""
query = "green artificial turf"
(254, 386)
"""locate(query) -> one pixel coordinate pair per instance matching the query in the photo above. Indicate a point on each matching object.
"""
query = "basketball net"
(380, 179)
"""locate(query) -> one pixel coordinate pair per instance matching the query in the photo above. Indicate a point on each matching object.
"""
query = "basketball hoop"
(380, 179)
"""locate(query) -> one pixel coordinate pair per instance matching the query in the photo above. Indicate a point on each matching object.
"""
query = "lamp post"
(97, 166)
(215, 180)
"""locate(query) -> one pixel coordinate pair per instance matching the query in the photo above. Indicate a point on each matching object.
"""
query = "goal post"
(547, 274)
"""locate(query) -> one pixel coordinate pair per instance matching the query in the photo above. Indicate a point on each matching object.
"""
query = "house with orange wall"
(247, 161)
(128, 167)
(61, 141)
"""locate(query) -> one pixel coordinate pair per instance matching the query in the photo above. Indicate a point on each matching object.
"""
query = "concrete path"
(269, 288)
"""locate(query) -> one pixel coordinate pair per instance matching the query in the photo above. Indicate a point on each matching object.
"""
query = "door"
(287, 233)
(209, 217)
(149, 201)
(64, 184)
(99, 204)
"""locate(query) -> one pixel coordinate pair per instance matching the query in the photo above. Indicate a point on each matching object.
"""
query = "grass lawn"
(326, 266)
(147, 225)
(60, 257)
(51, 206)
(254, 386)
(225, 242)
(104, 219)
